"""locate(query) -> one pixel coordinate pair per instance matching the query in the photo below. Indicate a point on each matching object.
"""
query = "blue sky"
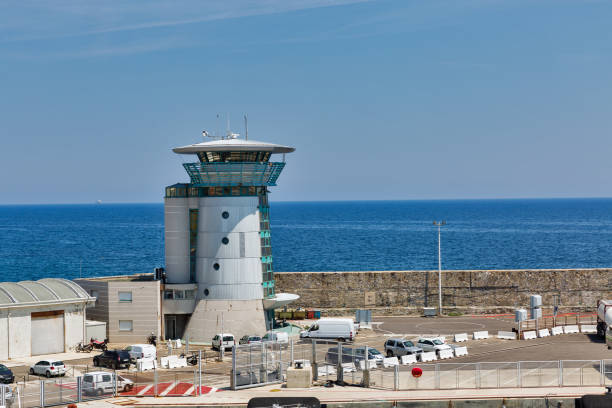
(388, 99)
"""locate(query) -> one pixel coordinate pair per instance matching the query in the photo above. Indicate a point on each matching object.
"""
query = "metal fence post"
(518, 374)
(42, 394)
(291, 349)
(2, 397)
(560, 373)
(396, 378)
(79, 389)
(314, 365)
(114, 383)
(155, 381)
(199, 372)
(233, 374)
(339, 368)
(602, 370)
(478, 381)
(437, 376)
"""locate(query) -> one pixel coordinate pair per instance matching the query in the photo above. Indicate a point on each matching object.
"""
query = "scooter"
(191, 360)
(80, 348)
(99, 345)
(152, 339)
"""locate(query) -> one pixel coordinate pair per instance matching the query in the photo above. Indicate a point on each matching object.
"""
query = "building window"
(95, 294)
(189, 294)
(168, 294)
(225, 240)
(125, 296)
(125, 325)
(216, 266)
(225, 214)
(206, 292)
(179, 294)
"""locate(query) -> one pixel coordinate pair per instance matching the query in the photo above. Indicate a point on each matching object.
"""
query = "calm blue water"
(96, 240)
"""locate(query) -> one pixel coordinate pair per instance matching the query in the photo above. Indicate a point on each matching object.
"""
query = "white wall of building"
(20, 327)
(176, 227)
(3, 336)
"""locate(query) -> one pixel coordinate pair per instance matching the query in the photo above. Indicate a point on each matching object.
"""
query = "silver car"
(400, 347)
(49, 368)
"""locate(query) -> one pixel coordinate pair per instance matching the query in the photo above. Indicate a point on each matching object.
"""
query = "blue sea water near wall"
(95, 240)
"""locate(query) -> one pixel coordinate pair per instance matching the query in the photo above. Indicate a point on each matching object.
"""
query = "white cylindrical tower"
(218, 238)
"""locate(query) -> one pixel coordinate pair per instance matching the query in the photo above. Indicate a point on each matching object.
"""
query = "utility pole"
(439, 225)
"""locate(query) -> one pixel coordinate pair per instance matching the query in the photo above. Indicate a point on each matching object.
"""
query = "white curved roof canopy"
(233, 145)
(43, 291)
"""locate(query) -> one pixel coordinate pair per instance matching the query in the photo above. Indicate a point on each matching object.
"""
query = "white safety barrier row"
(444, 354)
(530, 335)
(371, 364)
(173, 362)
(326, 370)
(428, 356)
(461, 351)
(557, 330)
(588, 328)
(481, 335)
(571, 329)
(461, 337)
(348, 367)
(144, 364)
(543, 333)
(390, 362)
(409, 359)
(506, 335)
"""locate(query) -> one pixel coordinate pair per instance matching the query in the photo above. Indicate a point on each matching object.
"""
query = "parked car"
(6, 375)
(330, 328)
(279, 337)
(331, 357)
(137, 351)
(401, 347)
(102, 382)
(432, 344)
(112, 359)
(227, 339)
(373, 354)
(49, 368)
(246, 339)
(8, 395)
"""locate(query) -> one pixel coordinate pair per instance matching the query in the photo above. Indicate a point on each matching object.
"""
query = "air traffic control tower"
(219, 272)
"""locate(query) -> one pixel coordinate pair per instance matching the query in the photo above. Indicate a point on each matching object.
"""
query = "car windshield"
(437, 342)
(408, 343)
(123, 354)
(88, 378)
(255, 338)
(374, 351)
(58, 363)
(3, 367)
(228, 338)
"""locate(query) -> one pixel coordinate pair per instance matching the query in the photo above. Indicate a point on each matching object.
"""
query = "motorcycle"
(84, 348)
(99, 345)
(191, 360)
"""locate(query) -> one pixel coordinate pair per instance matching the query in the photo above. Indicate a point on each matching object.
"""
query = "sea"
(72, 241)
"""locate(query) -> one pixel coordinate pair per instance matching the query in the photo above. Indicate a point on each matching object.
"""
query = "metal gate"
(47, 332)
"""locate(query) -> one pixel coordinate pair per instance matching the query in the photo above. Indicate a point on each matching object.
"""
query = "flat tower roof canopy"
(233, 145)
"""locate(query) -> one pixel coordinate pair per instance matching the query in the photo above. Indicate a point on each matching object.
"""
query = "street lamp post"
(439, 225)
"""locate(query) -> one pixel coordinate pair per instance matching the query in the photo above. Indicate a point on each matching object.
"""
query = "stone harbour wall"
(469, 291)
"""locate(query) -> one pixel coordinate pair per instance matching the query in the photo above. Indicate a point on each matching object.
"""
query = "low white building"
(41, 317)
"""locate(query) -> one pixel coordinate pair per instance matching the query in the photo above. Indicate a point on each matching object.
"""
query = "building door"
(170, 328)
(47, 332)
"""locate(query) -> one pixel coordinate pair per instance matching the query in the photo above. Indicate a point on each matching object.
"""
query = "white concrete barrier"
(444, 354)
(390, 362)
(461, 351)
(543, 333)
(480, 335)
(144, 364)
(555, 331)
(461, 337)
(179, 363)
(408, 359)
(530, 335)
(371, 364)
(428, 356)
(506, 335)
(588, 328)
(164, 362)
(570, 329)
(348, 367)
(326, 370)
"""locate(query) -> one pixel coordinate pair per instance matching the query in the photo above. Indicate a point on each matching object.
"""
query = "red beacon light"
(417, 372)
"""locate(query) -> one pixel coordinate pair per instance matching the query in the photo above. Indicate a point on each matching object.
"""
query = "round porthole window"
(206, 292)
(225, 240)
(225, 214)
(216, 266)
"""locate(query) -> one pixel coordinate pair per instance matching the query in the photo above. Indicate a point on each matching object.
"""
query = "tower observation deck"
(218, 241)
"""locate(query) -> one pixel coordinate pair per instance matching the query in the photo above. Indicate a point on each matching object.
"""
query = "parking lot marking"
(169, 387)
(145, 389)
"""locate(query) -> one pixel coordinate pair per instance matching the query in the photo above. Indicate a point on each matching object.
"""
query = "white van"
(340, 329)
(279, 337)
(103, 382)
(227, 339)
(137, 351)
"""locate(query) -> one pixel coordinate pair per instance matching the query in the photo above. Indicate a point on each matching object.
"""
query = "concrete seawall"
(467, 291)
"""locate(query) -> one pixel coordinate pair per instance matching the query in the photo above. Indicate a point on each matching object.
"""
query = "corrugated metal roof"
(42, 291)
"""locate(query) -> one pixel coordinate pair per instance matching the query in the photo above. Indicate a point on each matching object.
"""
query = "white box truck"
(604, 320)
(330, 328)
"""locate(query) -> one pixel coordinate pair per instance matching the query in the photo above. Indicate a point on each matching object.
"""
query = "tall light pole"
(439, 225)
